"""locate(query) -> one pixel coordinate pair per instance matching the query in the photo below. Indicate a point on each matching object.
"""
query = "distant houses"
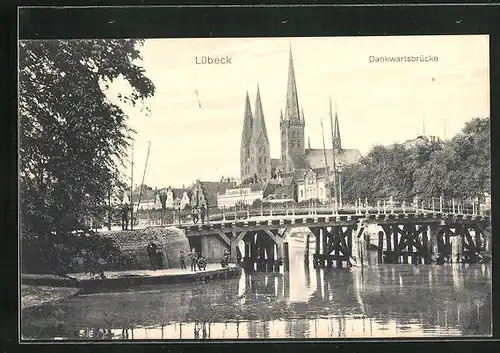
(176, 198)
(206, 192)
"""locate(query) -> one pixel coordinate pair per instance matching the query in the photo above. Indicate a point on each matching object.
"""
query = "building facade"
(245, 196)
(313, 185)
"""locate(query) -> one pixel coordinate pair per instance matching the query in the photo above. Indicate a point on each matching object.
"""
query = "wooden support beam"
(324, 239)
(425, 244)
(395, 232)
(306, 250)
(388, 233)
(224, 237)
(349, 234)
(239, 236)
(277, 240)
(380, 247)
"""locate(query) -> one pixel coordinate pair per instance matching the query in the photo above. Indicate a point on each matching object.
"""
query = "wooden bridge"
(415, 234)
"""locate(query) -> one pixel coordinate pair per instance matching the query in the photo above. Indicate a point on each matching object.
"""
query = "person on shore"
(203, 212)
(194, 214)
(124, 214)
(194, 259)
(183, 260)
(162, 258)
(152, 255)
(202, 263)
(225, 258)
(238, 255)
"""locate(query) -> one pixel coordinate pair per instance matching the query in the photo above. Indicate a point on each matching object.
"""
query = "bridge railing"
(316, 207)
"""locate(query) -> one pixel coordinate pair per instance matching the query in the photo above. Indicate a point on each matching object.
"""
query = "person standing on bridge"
(203, 212)
(194, 214)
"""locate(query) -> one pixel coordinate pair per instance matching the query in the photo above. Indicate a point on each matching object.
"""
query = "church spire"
(247, 122)
(337, 141)
(309, 143)
(292, 101)
(259, 124)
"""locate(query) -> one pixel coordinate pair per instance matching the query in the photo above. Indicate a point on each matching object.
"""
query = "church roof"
(299, 162)
(316, 157)
(247, 122)
(259, 123)
(292, 101)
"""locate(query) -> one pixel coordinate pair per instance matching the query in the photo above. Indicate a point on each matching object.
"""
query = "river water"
(370, 302)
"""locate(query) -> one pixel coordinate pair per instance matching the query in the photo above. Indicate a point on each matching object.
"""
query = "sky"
(377, 103)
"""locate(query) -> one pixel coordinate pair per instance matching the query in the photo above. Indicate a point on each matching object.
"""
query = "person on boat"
(194, 259)
(183, 259)
(202, 263)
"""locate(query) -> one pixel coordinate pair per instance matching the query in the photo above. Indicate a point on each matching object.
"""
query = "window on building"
(265, 159)
(301, 193)
(291, 144)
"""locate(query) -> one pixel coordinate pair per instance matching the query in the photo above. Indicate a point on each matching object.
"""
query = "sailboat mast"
(132, 189)
(324, 150)
(144, 175)
(334, 184)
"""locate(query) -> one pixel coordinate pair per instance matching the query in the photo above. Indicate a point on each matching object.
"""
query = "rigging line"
(144, 175)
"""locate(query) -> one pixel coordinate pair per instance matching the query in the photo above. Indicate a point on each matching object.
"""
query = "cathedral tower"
(246, 138)
(260, 156)
(292, 124)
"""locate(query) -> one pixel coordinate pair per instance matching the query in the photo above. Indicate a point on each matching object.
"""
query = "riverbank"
(33, 295)
(124, 279)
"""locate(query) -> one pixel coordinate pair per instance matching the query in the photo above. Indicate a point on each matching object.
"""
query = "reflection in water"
(376, 301)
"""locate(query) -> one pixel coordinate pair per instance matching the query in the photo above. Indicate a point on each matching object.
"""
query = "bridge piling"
(286, 258)
(380, 247)
(306, 249)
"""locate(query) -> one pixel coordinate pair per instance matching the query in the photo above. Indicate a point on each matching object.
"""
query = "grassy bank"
(39, 295)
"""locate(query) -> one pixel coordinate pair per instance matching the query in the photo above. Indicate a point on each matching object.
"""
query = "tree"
(72, 138)
(459, 168)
